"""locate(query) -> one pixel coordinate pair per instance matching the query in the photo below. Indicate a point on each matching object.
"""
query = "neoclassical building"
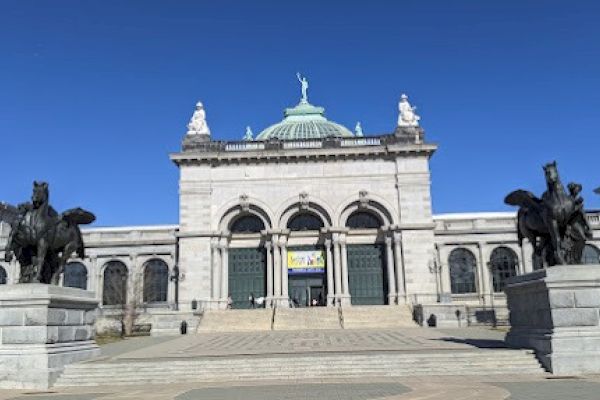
(307, 213)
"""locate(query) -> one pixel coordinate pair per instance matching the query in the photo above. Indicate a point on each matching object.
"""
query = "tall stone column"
(276, 270)
(485, 289)
(329, 271)
(337, 262)
(224, 273)
(345, 283)
(390, 271)
(284, 270)
(399, 268)
(132, 280)
(268, 247)
(215, 293)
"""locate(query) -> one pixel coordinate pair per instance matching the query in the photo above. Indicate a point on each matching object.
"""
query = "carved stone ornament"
(303, 200)
(363, 198)
(244, 202)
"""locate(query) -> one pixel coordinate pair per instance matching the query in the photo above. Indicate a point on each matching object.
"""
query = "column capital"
(388, 241)
(268, 245)
(327, 242)
(283, 240)
(223, 243)
(397, 236)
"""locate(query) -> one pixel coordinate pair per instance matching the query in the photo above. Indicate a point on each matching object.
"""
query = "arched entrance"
(367, 278)
(247, 265)
(307, 283)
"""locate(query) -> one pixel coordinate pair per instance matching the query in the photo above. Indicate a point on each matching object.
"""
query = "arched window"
(305, 222)
(75, 275)
(591, 255)
(114, 288)
(247, 224)
(462, 271)
(503, 262)
(156, 281)
(363, 220)
(2, 276)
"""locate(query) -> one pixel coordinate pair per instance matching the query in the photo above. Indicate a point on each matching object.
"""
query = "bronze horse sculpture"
(41, 239)
(555, 225)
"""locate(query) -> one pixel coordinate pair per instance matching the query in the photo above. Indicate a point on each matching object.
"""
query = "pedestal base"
(556, 312)
(42, 329)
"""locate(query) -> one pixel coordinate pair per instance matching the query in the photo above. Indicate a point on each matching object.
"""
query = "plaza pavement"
(498, 387)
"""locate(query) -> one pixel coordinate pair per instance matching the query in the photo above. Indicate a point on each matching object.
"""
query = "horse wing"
(78, 216)
(8, 213)
(523, 198)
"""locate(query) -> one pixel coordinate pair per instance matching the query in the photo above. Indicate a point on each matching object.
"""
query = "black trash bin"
(183, 328)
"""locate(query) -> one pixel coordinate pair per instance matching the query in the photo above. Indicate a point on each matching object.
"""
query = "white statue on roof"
(304, 87)
(249, 135)
(198, 125)
(358, 132)
(407, 116)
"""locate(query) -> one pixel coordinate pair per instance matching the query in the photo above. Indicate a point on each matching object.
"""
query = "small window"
(115, 284)
(504, 265)
(156, 281)
(363, 220)
(591, 255)
(462, 271)
(305, 222)
(247, 224)
(75, 276)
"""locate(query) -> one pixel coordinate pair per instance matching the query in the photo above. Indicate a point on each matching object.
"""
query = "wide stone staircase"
(306, 318)
(377, 317)
(259, 319)
(354, 317)
(301, 366)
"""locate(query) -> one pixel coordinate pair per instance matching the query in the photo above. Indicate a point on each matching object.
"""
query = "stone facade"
(323, 174)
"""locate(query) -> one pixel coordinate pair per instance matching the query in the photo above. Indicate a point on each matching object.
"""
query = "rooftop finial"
(304, 87)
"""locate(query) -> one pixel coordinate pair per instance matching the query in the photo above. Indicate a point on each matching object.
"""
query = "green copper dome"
(304, 121)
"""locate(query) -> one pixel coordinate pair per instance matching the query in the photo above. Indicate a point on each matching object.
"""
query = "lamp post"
(436, 269)
(175, 277)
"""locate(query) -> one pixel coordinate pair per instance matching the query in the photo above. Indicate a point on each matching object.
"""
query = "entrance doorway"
(307, 290)
(366, 274)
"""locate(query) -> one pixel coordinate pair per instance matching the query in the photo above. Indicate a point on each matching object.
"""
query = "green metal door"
(247, 274)
(366, 274)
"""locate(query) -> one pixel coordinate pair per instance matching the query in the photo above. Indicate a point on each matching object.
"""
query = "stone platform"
(42, 329)
(556, 312)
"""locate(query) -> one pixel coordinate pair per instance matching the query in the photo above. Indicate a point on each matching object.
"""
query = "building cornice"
(387, 146)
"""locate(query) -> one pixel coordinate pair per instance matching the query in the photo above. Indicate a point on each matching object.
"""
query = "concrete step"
(236, 320)
(360, 317)
(262, 368)
(306, 318)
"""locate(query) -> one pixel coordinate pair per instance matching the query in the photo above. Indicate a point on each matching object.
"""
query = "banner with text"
(305, 261)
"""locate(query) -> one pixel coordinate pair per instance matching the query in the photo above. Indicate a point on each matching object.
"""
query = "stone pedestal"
(556, 312)
(42, 329)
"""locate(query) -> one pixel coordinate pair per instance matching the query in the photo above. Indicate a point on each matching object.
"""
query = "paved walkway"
(410, 388)
(301, 342)
(501, 387)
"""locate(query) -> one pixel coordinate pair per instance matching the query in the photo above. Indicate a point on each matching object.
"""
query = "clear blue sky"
(95, 94)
